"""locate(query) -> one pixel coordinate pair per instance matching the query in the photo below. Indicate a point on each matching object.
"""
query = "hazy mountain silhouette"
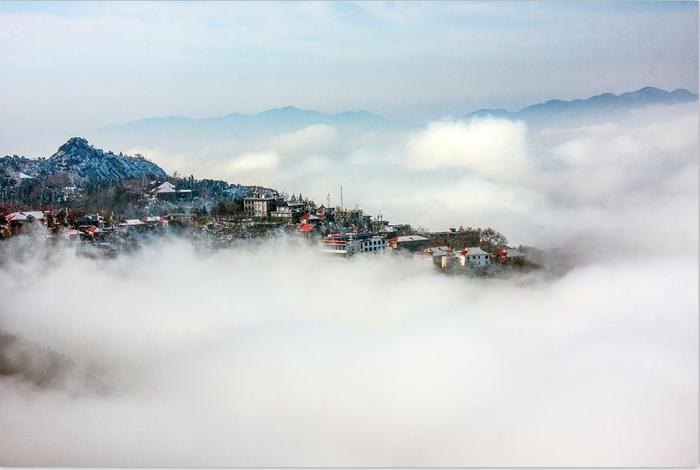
(595, 107)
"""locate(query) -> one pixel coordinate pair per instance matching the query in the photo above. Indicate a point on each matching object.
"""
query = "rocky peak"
(78, 157)
(75, 142)
(76, 146)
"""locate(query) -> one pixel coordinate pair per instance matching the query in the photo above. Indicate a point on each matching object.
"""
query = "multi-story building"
(289, 212)
(258, 206)
(410, 243)
(474, 256)
(283, 213)
(347, 244)
(373, 243)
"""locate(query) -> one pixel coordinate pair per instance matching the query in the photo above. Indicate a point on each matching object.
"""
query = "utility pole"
(328, 200)
(341, 196)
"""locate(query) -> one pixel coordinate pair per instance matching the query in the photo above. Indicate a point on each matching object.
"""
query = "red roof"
(306, 216)
(335, 242)
(306, 227)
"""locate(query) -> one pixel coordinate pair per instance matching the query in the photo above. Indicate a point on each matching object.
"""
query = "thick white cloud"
(489, 148)
(606, 162)
(274, 355)
(253, 161)
(316, 139)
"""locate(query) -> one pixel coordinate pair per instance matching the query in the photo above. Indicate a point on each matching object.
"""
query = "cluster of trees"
(488, 239)
(59, 190)
(232, 208)
(119, 197)
(208, 188)
(29, 191)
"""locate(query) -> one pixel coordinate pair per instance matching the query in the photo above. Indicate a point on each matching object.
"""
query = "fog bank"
(274, 355)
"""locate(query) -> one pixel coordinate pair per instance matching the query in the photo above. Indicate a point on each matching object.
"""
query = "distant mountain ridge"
(273, 115)
(606, 102)
(237, 126)
(80, 160)
(186, 134)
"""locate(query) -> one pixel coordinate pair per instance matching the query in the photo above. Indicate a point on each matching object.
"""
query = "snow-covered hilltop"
(80, 160)
(78, 174)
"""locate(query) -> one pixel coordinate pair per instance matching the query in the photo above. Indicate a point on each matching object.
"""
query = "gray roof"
(410, 238)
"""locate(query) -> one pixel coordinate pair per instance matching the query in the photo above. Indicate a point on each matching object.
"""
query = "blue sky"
(74, 66)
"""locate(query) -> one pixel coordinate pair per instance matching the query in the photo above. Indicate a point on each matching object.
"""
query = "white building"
(340, 245)
(348, 244)
(474, 256)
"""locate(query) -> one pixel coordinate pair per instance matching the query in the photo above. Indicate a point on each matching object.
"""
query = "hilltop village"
(108, 204)
(336, 231)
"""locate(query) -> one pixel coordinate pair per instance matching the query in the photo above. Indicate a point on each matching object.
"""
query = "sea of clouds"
(270, 354)
(479, 172)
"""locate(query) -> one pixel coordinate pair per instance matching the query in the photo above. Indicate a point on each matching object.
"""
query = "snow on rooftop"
(24, 215)
(133, 222)
(410, 238)
(166, 187)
